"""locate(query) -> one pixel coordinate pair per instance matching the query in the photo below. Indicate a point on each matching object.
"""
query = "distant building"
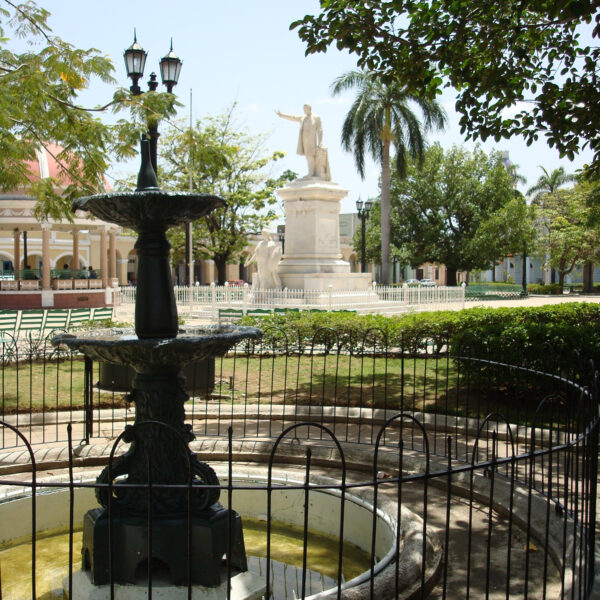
(42, 262)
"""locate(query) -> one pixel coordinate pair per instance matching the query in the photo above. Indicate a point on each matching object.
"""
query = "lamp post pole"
(363, 214)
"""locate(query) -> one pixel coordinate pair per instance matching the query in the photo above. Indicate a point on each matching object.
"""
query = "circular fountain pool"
(249, 498)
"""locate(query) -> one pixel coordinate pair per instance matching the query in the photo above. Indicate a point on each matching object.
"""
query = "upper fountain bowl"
(149, 208)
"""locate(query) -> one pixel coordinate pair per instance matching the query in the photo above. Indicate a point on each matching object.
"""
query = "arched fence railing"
(475, 466)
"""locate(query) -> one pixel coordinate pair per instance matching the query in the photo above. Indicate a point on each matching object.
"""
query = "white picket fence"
(206, 300)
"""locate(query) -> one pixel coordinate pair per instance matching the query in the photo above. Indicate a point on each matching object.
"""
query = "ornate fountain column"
(189, 527)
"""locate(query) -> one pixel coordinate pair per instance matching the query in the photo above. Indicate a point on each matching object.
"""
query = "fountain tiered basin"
(177, 523)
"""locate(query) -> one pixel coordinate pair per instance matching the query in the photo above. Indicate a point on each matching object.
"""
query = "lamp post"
(363, 214)
(170, 67)
(281, 237)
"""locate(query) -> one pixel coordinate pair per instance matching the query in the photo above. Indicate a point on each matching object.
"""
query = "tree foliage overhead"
(39, 90)
(446, 211)
(229, 162)
(495, 54)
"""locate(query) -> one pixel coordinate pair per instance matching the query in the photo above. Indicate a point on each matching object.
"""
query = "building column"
(122, 271)
(103, 258)
(16, 250)
(45, 256)
(75, 259)
(112, 252)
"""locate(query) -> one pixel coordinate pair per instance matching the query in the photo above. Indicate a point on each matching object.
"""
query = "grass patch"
(47, 386)
(435, 385)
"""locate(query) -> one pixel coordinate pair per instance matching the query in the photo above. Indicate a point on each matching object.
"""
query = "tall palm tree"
(548, 183)
(379, 117)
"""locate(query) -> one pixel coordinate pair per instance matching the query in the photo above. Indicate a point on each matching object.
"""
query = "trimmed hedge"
(550, 288)
(545, 337)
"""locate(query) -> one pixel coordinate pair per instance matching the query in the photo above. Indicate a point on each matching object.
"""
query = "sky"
(242, 51)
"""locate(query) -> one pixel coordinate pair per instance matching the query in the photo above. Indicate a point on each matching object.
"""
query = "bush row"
(549, 288)
(541, 337)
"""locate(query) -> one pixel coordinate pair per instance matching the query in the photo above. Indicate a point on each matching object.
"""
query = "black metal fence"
(494, 462)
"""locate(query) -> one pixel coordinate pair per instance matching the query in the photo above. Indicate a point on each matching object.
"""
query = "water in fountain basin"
(52, 559)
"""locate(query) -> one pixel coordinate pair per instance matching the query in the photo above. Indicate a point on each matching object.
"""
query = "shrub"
(550, 288)
(545, 337)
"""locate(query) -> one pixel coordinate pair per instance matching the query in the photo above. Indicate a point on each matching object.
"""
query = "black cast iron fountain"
(158, 452)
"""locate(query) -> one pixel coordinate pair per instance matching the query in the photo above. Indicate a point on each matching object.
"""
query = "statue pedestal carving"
(313, 258)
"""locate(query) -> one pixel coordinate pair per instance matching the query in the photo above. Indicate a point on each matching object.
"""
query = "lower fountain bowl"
(249, 497)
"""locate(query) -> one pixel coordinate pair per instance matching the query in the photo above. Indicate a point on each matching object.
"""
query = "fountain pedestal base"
(130, 547)
(244, 586)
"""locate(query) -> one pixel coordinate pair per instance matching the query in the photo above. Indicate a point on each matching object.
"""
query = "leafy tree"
(494, 54)
(447, 210)
(229, 162)
(380, 117)
(568, 229)
(39, 90)
(513, 230)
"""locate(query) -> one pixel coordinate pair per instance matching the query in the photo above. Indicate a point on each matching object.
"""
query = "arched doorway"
(6, 266)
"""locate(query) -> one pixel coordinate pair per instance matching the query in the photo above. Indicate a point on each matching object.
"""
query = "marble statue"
(267, 255)
(310, 145)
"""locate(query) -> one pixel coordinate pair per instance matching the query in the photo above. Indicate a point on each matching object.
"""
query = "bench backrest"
(30, 321)
(8, 320)
(79, 316)
(56, 318)
(102, 313)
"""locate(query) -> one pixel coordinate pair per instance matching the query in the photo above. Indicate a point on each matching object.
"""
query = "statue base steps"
(244, 586)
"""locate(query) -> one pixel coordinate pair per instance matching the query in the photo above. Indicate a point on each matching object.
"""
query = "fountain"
(190, 532)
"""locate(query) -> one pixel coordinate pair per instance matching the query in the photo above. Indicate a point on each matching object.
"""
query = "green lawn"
(411, 384)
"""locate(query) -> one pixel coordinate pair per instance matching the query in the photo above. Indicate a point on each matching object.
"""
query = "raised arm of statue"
(289, 117)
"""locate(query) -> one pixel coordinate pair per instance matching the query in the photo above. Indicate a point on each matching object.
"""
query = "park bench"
(103, 313)
(283, 311)
(79, 316)
(230, 314)
(258, 312)
(56, 319)
(8, 324)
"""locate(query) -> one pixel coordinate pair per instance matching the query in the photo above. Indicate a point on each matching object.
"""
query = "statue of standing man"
(310, 142)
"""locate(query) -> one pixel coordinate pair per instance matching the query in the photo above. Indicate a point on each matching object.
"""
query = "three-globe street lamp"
(363, 214)
(170, 67)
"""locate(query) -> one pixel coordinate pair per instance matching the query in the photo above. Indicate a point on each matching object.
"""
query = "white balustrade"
(205, 300)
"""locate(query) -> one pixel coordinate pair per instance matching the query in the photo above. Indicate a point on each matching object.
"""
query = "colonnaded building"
(60, 264)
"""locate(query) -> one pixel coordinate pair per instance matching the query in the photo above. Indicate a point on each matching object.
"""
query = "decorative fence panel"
(207, 300)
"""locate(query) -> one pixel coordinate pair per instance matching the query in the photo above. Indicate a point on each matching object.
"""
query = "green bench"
(259, 312)
(103, 313)
(79, 316)
(56, 320)
(230, 314)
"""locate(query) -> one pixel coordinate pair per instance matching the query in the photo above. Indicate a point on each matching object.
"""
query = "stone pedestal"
(207, 532)
(313, 258)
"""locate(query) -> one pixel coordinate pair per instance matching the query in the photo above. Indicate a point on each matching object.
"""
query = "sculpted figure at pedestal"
(267, 255)
(310, 141)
